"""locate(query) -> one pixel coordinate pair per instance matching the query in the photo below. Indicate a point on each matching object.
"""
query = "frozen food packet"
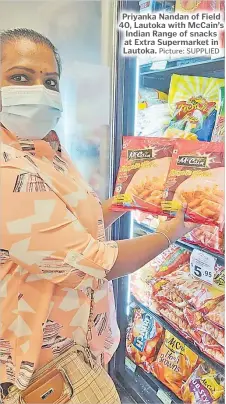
(219, 129)
(212, 349)
(174, 363)
(193, 103)
(153, 120)
(216, 316)
(149, 96)
(143, 339)
(167, 262)
(217, 333)
(196, 178)
(208, 237)
(205, 385)
(142, 174)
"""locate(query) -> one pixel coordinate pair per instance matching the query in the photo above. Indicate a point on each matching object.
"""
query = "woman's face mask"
(30, 112)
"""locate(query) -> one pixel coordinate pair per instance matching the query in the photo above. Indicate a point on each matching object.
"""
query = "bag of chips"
(142, 174)
(205, 385)
(143, 338)
(196, 178)
(174, 363)
(193, 103)
(208, 237)
(219, 130)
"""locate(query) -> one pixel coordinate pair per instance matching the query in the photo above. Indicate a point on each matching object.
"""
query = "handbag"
(73, 377)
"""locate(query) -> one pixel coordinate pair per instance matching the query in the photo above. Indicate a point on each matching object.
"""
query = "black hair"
(20, 33)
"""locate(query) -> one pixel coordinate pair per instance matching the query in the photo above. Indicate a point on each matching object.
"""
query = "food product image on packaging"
(219, 129)
(167, 262)
(193, 103)
(174, 363)
(196, 178)
(208, 237)
(142, 174)
(212, 349)
(216, 316)
(143, 339)
(205, 385)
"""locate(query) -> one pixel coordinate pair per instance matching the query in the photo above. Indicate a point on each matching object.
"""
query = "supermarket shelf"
(194, 348)
(153, 390)
(141, 229)
(149, 68)
(160, 79)
(159, 386)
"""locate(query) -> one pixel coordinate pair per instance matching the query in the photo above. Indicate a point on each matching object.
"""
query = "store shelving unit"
(160, 79)
(219, 367)
(142, 229)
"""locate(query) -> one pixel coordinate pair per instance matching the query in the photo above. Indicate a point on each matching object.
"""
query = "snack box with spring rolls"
(196, 178)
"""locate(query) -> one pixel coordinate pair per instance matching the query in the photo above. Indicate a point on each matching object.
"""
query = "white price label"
(161, 65)
(130, 365)
(163, 397)
(202, 266)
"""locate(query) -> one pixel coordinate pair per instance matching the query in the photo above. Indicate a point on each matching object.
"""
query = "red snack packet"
(142, 174)
(196, 178)
(216, 316)
(208, 237)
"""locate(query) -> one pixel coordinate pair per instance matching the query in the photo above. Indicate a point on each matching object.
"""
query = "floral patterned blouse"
(53, 258)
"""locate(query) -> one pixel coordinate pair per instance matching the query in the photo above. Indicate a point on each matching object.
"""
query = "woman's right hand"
(176, 228)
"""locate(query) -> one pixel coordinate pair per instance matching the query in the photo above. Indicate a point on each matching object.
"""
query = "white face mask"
(30, 112)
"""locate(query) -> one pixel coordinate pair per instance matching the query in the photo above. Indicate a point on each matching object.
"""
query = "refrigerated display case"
(131, 76)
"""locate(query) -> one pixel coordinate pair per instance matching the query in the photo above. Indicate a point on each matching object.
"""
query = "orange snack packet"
(144, 337)
(174, 363)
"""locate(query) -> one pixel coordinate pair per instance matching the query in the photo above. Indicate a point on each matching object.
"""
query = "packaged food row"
(207, 237)
(193, 110)
(194, 308)
(159, 175)
(159, 352)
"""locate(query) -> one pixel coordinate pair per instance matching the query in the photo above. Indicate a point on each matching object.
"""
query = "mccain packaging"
(196, 178)
(205, 385)
(174, 363)
(143, 339)
(208, 237)
(193, 104)
(142, 174)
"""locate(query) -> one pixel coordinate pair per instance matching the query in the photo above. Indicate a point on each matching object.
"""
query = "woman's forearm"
(109, 216)
(135, 253)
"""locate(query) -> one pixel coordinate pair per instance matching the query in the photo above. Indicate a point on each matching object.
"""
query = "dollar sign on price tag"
(202, 266)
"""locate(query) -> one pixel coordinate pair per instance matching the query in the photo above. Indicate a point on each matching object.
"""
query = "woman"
(55, 262)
